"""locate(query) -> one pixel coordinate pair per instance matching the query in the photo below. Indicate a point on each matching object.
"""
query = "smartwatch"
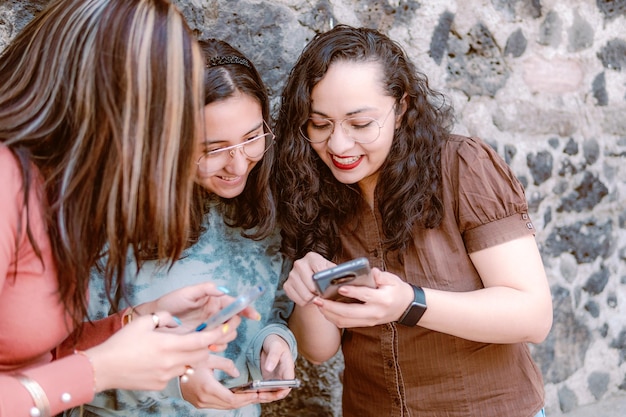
(416, 309)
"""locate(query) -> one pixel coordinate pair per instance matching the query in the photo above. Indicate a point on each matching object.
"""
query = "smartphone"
(228, 312)
(354, 272)
(267, 385)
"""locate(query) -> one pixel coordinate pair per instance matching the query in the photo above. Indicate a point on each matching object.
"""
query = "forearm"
(318, 339)
(490, 315)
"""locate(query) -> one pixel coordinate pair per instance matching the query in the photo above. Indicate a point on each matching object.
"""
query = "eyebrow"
(352, 113)
(208, 141)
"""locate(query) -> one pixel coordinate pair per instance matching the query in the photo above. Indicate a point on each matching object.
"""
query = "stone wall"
(544, 82)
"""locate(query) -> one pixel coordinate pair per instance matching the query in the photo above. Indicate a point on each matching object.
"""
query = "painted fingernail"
(225, 328)
(257, 317)
(224, 290)
(201, 327)
(177, 320)
(213, 348)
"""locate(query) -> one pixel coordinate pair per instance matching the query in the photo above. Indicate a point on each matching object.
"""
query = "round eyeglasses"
(361, 129)
(253, 149)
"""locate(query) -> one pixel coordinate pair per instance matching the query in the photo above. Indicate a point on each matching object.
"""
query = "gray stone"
(593, 308)
(439, 40)
(591, 151)
(612, 8)
(554, 142)
(586, 195)
(585, 241)
(540, 165)
(567, 399)
(516, 44)
(514, 8)
(563, 352)
(571, 148)
(509, 153)
(598, 383)
(622, 219)
(476, 66)
(580, 34)
(382, 15)
(532, 120)
(597, 281)
(550, 30)
(568, 168)
(620, 344)
(613, 54)
(611, 300)
(598, 87)
(547, 217)
(568, 267)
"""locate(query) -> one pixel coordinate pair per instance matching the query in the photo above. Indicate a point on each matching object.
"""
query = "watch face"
(416, 309)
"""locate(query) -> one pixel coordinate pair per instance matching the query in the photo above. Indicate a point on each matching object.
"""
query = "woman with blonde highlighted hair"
(100, 119)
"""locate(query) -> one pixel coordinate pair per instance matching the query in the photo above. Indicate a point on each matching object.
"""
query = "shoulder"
(467, 148)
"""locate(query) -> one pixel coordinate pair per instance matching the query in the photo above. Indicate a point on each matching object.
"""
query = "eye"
(360, 122)
(320, 124)
(257, 135)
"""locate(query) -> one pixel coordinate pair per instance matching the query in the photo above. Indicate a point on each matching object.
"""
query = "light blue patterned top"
(226, 258)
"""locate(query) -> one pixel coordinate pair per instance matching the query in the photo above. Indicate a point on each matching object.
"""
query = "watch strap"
(416, 309)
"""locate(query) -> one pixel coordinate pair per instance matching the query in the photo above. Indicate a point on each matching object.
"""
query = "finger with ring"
(155, 320)
(188, 372)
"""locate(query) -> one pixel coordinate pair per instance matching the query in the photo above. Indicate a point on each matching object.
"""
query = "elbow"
(541, 329)
(318, 357)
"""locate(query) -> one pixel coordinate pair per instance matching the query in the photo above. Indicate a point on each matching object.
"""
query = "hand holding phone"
(266, 385)
(236, 307)
(354, 272)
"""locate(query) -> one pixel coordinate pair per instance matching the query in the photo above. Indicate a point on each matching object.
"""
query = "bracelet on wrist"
(93, 369)
(40, 399)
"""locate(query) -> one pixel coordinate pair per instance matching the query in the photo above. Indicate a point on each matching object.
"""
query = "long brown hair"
(312, 204)
(104, 98)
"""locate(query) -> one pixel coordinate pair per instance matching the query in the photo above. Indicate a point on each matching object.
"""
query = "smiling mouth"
(229, 179)
(346, 162)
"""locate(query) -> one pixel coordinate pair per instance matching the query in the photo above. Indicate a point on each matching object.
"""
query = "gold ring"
(155, 320)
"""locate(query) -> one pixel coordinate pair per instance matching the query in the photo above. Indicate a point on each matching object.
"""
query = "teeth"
(346, 160)
(229, 178)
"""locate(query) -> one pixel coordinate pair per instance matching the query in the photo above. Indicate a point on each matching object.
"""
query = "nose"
(238, 164)
(339, 141)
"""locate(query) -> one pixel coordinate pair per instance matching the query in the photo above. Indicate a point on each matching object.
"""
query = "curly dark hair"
(312, 204)
(227, 72)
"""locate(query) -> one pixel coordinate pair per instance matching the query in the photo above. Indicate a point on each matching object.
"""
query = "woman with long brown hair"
(100, 110)
(367, 167)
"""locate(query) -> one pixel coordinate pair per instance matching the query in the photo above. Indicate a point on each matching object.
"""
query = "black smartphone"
(266, 385)
(354, 272)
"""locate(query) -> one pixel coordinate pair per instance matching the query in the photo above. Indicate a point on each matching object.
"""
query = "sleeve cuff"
(254, 351)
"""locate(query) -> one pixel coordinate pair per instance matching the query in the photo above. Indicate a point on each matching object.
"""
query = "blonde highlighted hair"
(104, 98)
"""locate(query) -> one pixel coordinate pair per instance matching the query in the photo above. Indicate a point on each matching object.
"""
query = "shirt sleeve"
(93, 334)
(491, 202)
(276, 324)
(10, 207)
(67, 382)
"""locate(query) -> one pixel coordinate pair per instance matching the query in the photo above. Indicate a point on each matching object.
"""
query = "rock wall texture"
(544, 82)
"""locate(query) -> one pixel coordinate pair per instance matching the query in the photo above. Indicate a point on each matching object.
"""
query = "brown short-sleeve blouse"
(392, 370)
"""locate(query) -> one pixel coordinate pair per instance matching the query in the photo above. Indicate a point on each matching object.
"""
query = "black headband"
(228, 59)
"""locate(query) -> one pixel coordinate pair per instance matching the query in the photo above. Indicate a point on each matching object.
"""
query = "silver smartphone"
(228, 312)
(266, 385)
(354, 272)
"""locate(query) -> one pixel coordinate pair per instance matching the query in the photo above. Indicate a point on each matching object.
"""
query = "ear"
(403, 106)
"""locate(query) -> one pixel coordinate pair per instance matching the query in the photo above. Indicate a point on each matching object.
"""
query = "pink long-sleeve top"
(33, 321)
